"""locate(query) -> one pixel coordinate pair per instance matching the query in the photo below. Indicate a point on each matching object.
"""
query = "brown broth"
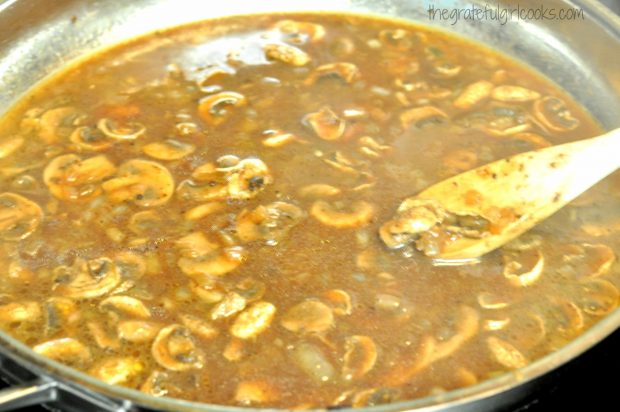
(411, 328)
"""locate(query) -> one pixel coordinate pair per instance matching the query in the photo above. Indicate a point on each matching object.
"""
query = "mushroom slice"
(137, 331)
(115, 130)
(87, 279)
(250, 289)
(216, 263)
(345, 72)
(158, 384)
(10, 146)
(253, 321)
(19, 217)
(270, 222)
(91, 139)
(202, 191)
(231, 304)
(420, 117)
(413, 217)
(360, 213)
(564, 316)
(215, 109)
(525, 330)
(523, 268)
(300, 32)
(278, 138)
(144, 182)
(554, 115)
(374, 397)
(255, 392)
(398, 39)
(101, 336)
(203, 210)
(286, 54)
(131, 266)
(174, 349)
(17, 312)
(208, 291)
(506, 354)
(473, 94)
(199, 327)
(514, 94)
(487, 300)
(68, 177)
(145, 222)
(340, 301)
(359, 358)
(247, 178)
(599, 298)
(319, 190)
(53, 121)
(311, 359)
(309, 316)
(59, 312)
(66, 350)
(169, 149)
(118, 371)
(125, 305)
(589, 261)
(325, 123)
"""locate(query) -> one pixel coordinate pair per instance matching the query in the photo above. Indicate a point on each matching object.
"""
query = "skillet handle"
(29, 394)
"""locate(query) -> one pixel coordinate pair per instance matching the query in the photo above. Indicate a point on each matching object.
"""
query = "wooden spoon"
(524, 189)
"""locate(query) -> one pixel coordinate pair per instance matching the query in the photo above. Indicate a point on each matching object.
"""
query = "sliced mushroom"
(359, 213)
(60, 312)
(278, 138)
(207, 291)
(216, 263)
(91, 139)
(125, 305)
(599, 297)
(118, 371)
(246, 178)
(199, 327)
(523, 268)
(506, 354)
(413, 217)
(131, 266)
(87, 279)
(66, 350)
(231, 304)
(345, 72)
(255, 392)
(564, 316)
(174, 349)
(137, 331)
(10, 146)
(270, 222)
(117, 131)
(300, 32)
(169, 149)
(514, 94)
(587, 260)
(253, 321)
(286, 54)
(319, 190)
(309, 316)
(398, 39)
(203, 210)
(554, 115)
(102, 337)
(68, 177)
(55, 122)
(311, 359)
(250, 289)
(215, 109)
(19, 217)
(359, 358)
(420, 117)
(325, 124)
(143, 182)
(340, 301)
(473, 94)
(17, 312)
(487, 300)
(202, 191)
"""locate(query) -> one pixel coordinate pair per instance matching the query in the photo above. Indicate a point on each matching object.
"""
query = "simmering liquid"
(196, 214)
